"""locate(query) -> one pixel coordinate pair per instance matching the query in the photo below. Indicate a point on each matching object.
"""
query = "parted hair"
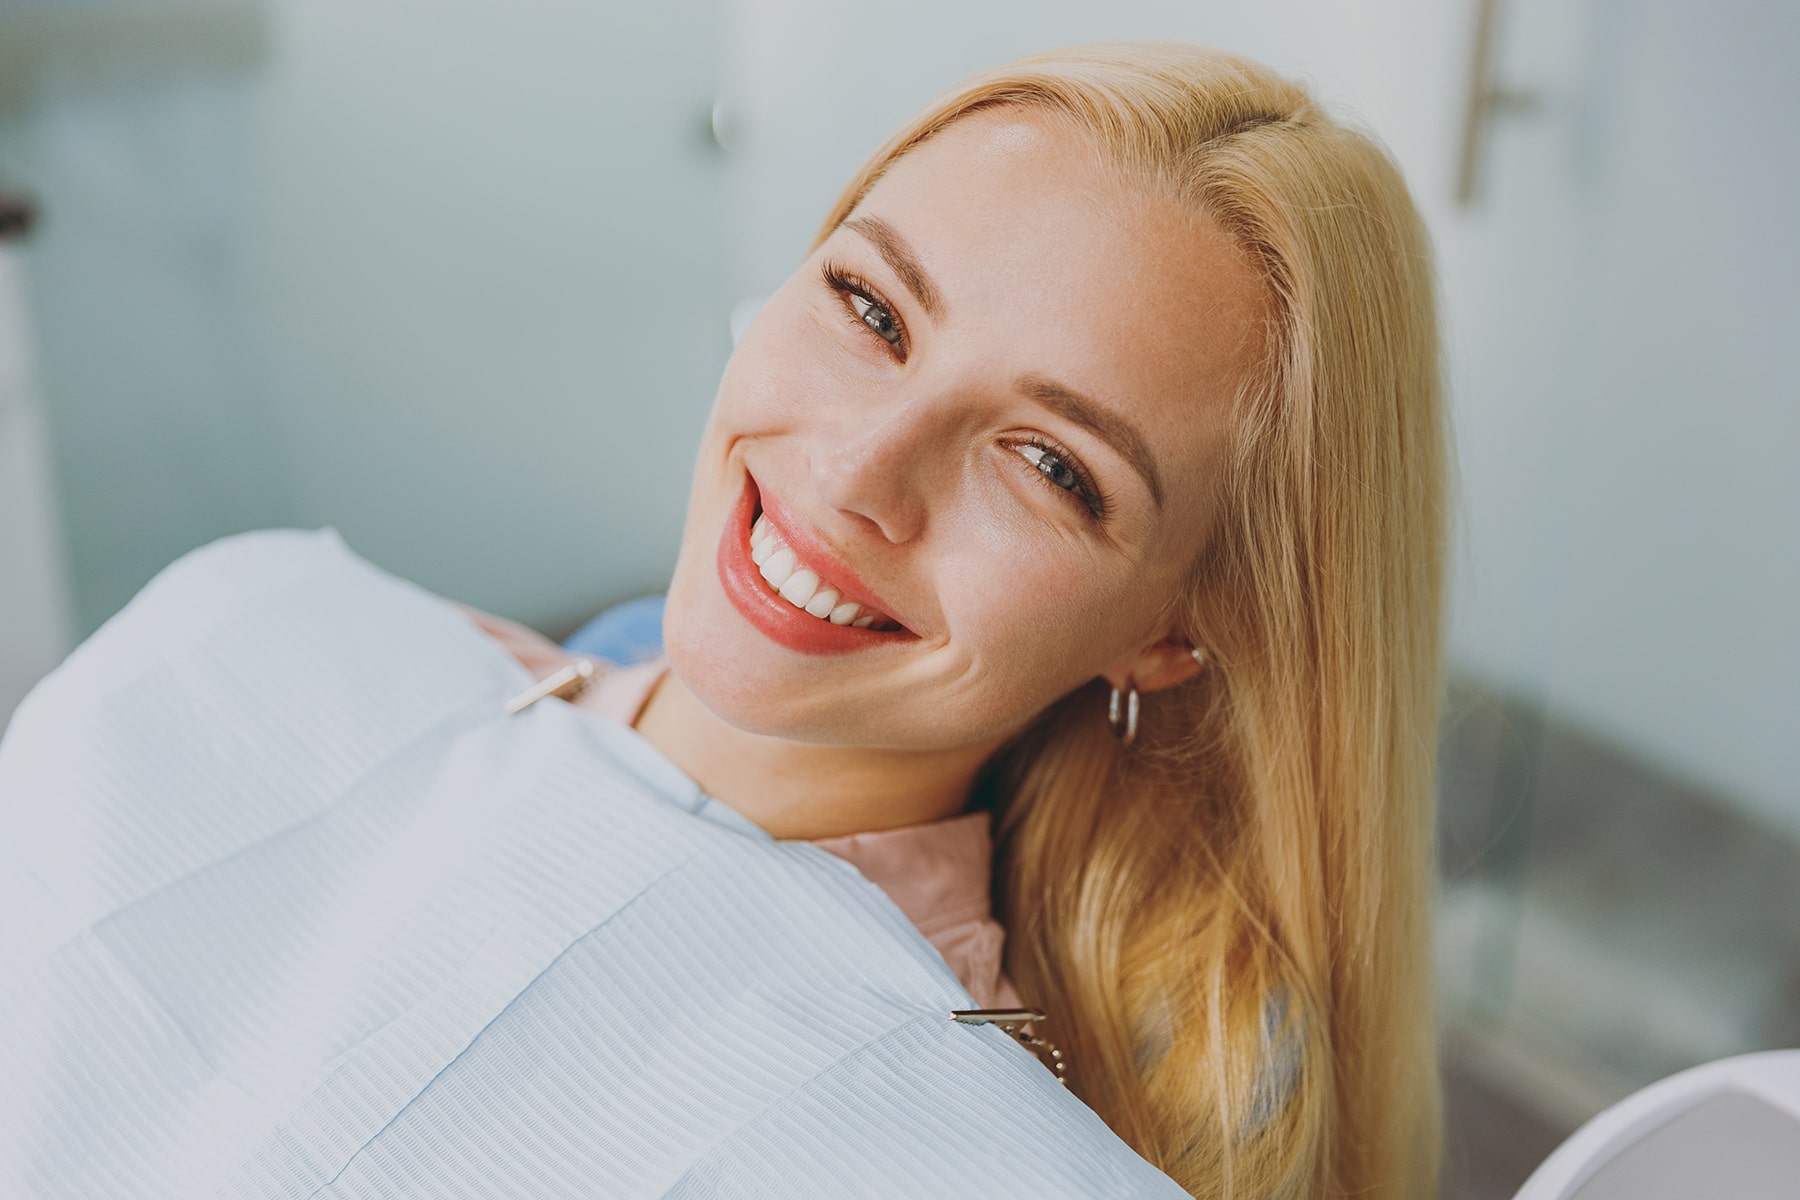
(1228, 923)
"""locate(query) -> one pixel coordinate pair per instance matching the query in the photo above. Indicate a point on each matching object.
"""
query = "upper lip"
(819, 557)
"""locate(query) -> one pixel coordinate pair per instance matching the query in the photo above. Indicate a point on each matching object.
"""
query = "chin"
(763, 690)
(721, 672)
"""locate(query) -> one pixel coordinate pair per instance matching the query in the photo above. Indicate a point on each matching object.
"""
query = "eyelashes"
(1054, 466)
(1062, 471)
(875, 314)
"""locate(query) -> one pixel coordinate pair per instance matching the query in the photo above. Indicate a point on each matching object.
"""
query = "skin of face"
(915, 462)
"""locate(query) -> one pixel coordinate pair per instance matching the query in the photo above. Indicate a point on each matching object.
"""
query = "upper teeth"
(799, 584)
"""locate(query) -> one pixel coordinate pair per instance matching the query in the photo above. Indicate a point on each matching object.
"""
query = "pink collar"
(939, 873)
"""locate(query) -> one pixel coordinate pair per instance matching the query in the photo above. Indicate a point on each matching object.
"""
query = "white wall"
(447, 276)
(1626, 384)
(34, 604)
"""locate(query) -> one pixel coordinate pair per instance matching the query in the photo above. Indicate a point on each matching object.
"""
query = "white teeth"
(799, 587)
(778, 566)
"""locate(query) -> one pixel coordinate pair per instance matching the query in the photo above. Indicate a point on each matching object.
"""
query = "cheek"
(777, 373)
(765, 389)
(1041, 612)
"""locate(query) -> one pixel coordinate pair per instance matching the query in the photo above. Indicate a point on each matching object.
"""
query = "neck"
(803, 791)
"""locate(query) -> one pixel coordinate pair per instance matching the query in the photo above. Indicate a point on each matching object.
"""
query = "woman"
(1089, 470)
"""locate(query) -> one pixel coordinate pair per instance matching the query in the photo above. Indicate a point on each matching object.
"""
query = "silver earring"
(1122, 713)
(1199, 654)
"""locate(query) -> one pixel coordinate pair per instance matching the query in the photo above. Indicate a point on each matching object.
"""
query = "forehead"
(1053, 263)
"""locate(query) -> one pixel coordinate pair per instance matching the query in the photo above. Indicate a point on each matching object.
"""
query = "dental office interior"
(459, 279)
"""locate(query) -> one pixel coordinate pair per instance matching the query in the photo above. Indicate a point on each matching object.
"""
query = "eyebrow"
(1065, 402)
(1113, 430)
(905, 263)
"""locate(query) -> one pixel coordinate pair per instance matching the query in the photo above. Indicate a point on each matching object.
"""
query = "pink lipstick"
(777, 618)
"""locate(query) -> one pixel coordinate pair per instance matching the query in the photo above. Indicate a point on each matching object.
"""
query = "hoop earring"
(1123, 723)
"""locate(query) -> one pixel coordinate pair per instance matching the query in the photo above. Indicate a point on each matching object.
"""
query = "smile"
(793, 587)
(802, 587)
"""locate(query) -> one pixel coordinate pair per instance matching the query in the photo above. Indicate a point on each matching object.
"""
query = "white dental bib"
(289, 907)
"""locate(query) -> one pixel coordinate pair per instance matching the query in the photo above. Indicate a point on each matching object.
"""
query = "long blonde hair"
(1229, 924)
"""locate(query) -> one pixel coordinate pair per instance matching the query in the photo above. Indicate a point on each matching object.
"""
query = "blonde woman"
(1081, 490)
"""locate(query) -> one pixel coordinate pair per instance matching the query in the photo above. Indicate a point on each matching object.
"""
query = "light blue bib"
(289, 907)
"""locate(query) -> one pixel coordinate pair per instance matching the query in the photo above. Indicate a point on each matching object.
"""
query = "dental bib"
(290, 907)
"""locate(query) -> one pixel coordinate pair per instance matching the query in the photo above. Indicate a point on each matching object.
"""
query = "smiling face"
(991, 410)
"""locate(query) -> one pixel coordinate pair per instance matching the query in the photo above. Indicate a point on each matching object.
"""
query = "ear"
(1161, 664)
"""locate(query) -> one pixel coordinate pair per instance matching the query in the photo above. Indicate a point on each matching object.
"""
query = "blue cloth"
(290, 908)
(630, 632)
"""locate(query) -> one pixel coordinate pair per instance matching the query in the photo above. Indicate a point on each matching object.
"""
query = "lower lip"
(778, 620)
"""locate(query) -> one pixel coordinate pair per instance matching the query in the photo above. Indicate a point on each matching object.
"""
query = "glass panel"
(1621, 817)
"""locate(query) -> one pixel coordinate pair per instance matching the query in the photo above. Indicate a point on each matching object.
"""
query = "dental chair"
(625, 633)
(1728, 1130)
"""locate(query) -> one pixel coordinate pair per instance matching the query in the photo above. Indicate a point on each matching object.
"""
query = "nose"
(882, 466)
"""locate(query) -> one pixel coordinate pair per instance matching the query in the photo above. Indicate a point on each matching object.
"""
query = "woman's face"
(990, 410)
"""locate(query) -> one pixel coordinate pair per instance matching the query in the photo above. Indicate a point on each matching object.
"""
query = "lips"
(796, 614)
(804, 585)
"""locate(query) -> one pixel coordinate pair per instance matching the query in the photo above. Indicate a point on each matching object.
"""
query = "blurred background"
(456, 278)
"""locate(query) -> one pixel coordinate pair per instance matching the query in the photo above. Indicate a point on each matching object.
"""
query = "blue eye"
(875, 317)
(1060, 470)
(1051, 466)
(866, 306)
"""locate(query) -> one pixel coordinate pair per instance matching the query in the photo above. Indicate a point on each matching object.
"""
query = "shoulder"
(240, 692)
(931, 1108)
(535, 652)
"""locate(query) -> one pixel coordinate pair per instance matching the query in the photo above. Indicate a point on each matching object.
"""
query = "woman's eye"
(876, 317)
(1051, 466)
(866, 306)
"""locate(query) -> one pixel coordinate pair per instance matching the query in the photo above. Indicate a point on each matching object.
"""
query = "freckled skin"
(1046, 264)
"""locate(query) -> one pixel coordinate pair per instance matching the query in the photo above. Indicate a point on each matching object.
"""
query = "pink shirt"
(936, 872)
